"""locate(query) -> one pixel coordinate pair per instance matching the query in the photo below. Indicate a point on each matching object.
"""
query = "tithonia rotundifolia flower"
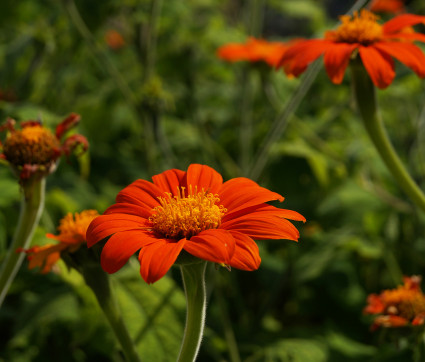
(399, 307)
(191, 211)
(253, 50)
(72, 235)
(362, 35)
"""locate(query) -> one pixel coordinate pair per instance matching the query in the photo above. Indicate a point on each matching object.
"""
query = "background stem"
(99, 283)
(32, 204)
(365, 94)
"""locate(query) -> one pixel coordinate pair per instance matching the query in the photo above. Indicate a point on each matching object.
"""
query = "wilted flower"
(361, 34)
(34, 149)
(398, 307)
(72, 234)
(192, 211)
(254, 50)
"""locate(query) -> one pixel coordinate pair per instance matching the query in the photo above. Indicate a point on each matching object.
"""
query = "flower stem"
(194, 286)
(99, 283)
(365, 94)
(32, 204)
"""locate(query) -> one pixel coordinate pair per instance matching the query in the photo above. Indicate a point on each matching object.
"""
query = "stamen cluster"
(360, 28)
(74, 227)
(184, 216)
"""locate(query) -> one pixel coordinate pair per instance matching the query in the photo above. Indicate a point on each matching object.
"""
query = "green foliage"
(164, 100)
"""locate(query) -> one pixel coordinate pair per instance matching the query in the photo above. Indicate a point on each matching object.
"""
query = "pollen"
(184, 216)
(34, 145)
(360, 28)
(73, 228)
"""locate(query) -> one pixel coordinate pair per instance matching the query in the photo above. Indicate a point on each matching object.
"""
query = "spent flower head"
(34, 150)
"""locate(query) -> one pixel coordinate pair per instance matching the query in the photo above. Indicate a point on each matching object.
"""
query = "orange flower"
(72, 234)
(387, 6)
(114, 39)
(398, 307)
(254, 50)
(35, 149)
(192, 211)
(361, 34)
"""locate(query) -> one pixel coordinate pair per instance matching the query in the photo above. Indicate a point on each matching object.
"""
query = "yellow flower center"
(184, 216)
(359, 28)
(33, 145)
(74, 227)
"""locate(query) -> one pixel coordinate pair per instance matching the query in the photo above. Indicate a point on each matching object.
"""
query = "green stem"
(99, 283)
(194, 286)
(32, 205)
(365, 94)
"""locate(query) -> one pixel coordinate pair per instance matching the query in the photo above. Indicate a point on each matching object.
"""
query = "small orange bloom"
(387, 6)
(114, 39)
(35, 149)
(361, 34)
(72, 234)
(254, 50)
(194, 211)
(398, 307)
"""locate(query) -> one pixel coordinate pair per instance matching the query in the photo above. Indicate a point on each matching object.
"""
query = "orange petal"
(407, 53)
(246, 256)
(213, 245)
(375, 305)
(204, 177)
(297, 57)
(264, 209)
(45, 256)
(141, 192)
(121, 246)
(233, 52)
(105, 225)
(262, 227)
(129, 209)
(241, 193)
(336, 60)
(169, 181)
(157, 258)
(379, 66)
(402, 21)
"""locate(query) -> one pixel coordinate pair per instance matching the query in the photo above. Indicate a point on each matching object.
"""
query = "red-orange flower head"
(253, 50)
(361, 34)
(192, 211)
(387, 6)
(72, 234)
(398, 307)
(34, 149)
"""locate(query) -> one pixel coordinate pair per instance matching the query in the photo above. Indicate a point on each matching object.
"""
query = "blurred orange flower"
(254, 50)
(361, 34)
(34, 149)
(72, 234)
(114, 39)
(193, 211)
(387, 6)
(398, 307)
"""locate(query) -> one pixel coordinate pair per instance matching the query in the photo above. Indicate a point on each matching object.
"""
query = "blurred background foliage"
(144, 76)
